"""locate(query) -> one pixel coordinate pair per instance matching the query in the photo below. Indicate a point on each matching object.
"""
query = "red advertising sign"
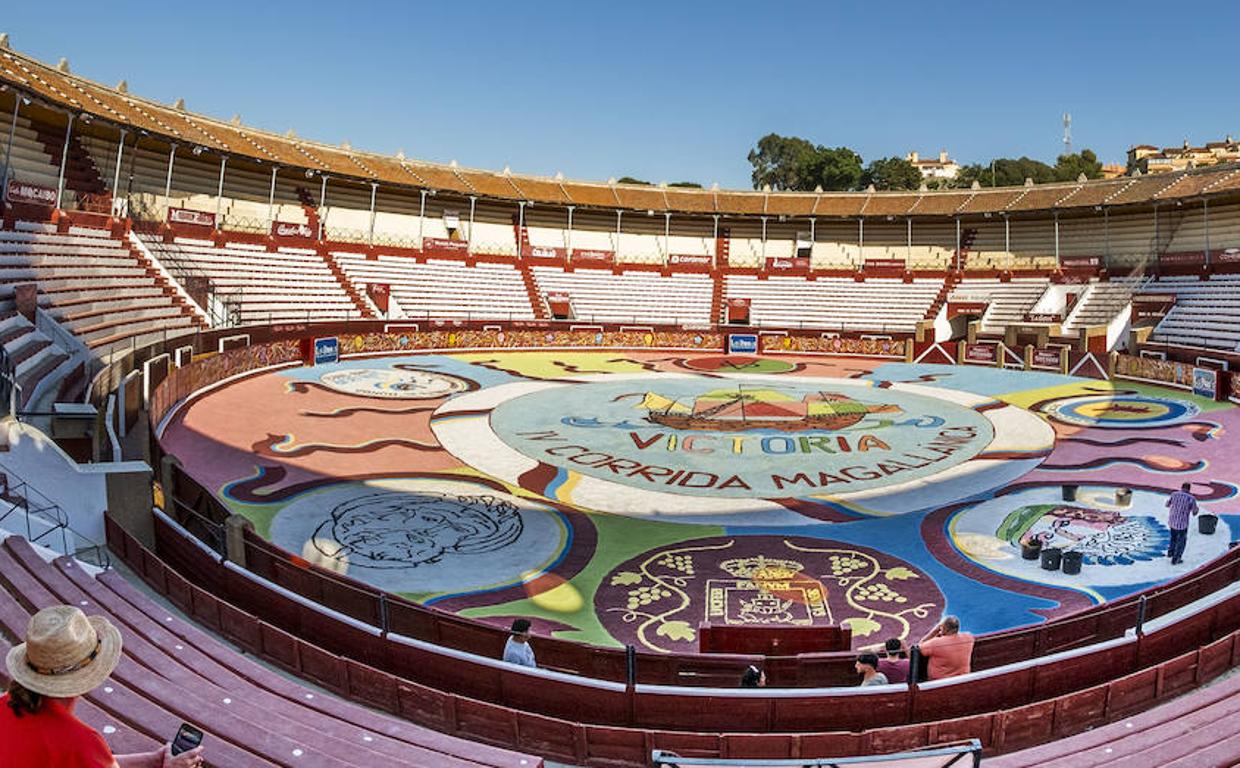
(1080, 262)
(1194, 257)
(1151, 305)
(796, 262)
(957, 308)
(593, 257)
(987, 354)
(560, 304)
(443, 245)
(380, 294)
(31, 194)
(689, 259)
(1048, 358)
(1230, 255)
(544, 252)
(286, 229)
(1043, 317)
(193, 218)
(884, 264)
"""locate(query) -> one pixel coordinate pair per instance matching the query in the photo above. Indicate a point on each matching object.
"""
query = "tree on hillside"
(891, 173)
(1070, 167)
(686, 184)
(833, 169)
(631, 180)
(1005, 172)
(781, 161)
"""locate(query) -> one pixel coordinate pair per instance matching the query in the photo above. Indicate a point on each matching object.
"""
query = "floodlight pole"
(64, 156)
(219, 192)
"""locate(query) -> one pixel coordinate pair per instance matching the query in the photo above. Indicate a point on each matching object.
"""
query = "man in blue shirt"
(1182, 505)
(517, 650)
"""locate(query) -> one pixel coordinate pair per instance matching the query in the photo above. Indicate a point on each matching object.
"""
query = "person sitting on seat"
(753, 678)
(949, 651)
(894, 662)
(517, 650)
(66, 655)
(867, 667)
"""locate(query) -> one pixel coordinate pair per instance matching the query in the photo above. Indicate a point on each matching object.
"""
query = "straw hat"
(66, 653)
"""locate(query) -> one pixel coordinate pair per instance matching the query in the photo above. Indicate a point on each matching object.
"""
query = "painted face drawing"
(403, 530)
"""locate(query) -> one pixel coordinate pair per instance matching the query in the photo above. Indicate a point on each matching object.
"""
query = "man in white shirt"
(517, 650)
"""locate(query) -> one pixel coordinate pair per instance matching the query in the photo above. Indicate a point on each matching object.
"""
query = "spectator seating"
(1009, 301)
(599, 295)
(1100, 303)
(264, 287)
(1205, 312)
(30, 161)
(440, 288)
(1197, 730)
(172, 671)
(92, 283)
(34, 355)
(835, 303)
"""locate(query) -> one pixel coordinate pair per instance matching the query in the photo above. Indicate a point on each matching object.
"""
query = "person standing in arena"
(66, 655)
(517, 650)
(1182, 505)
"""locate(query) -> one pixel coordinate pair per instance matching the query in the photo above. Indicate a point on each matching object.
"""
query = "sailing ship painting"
(741, 409)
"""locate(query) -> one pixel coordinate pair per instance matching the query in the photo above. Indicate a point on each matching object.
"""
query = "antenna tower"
(1067, 133)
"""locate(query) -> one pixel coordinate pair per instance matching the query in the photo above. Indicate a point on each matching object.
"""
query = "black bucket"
(1031, 550)
(1072, 562)
(1051, 559)
(1069, 493)
(1207, 523)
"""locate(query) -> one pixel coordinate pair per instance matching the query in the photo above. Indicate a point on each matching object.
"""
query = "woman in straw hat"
(66, 655)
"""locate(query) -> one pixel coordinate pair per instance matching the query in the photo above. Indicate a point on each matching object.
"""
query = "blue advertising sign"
(743, 343)
(326, 350)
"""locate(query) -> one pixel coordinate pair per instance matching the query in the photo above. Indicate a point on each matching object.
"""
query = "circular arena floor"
(628, 497)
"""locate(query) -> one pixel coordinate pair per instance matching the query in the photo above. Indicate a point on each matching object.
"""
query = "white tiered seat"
(633, 296)
(443, 288)
(1008, 301)
(835, 302)
(1206, 312)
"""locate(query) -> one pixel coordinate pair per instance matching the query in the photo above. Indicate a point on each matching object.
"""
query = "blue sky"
(669, 91)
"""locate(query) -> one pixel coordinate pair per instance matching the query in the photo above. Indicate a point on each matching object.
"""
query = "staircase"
(361, 302)
(310, 209)
(81, 175)
(723, 247)
(522, 235)
(716, 298)
(967, 236)
(1099, 305)
(32, 354)
(531, 290)
(941, 297)
(162, 282)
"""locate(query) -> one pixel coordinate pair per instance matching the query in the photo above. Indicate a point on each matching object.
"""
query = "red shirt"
(50, 738)
(895, 669)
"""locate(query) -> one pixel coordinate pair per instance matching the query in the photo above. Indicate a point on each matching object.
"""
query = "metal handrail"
(19, 496)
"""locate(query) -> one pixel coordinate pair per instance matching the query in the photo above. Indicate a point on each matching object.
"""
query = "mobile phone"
(188, 737)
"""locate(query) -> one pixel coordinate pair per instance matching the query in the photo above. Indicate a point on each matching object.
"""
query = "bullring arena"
(314, 426)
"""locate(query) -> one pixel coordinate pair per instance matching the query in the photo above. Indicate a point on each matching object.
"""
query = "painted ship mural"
(738, 409)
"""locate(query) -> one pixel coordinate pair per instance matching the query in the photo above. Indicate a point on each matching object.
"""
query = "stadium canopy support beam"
(322, 203)
(619, 216)
(64, 156)
(172, 156)
(469, 242)
(714, 255)
(568, 250)
(116, 172)
(860, 239)
(421, 219)
(520, 228)
(1157, 243)
(908, 254)
(763, 241)
(271, 198)
(219, 190)
(1007, 235)
(667, 237)
(1205, 210)
(374, 191)
(957, 243)
(1106, 237)
(1056, 220)
(8, 150)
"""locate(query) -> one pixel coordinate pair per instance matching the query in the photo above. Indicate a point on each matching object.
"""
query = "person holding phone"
(66, 655)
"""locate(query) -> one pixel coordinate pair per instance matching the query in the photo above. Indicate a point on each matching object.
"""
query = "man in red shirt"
(66, 655)
(949, 651)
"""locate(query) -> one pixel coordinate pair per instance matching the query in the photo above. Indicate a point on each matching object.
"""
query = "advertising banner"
(544, 252)
(738, 311)
(958, 308)
(1206, 383)
(884, 264)
(689, 260)
(445, 246)
(1048, 358)
(193, 218)
(30, 194)
(326, 350)
(380, 294)
(742, 343)
(593, 257)
(1043, 317)
(1080, 262)
(982, 354)
(287, 229)
(796, 262)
